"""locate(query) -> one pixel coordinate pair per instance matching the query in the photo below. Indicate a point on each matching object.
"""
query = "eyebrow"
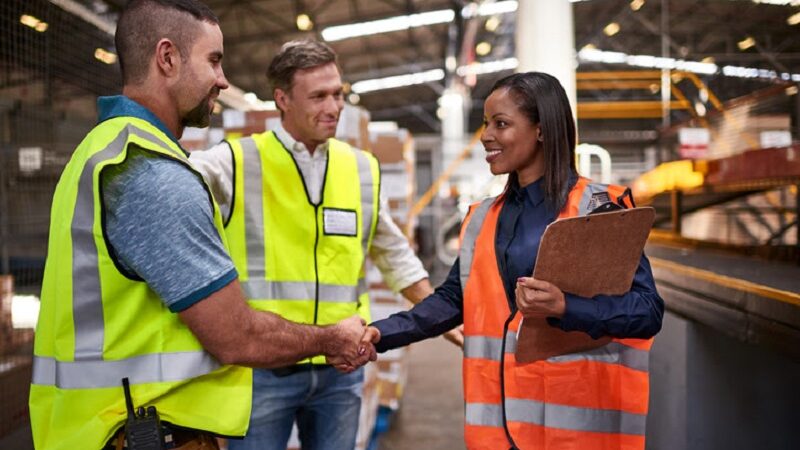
(324, 91)
(217, 54)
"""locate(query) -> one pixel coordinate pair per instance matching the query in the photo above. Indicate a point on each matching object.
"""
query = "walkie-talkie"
(143, 427)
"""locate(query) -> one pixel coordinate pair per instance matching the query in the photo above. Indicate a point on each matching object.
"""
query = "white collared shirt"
(390, 250)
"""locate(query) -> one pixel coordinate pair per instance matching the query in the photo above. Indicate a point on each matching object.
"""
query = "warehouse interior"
(692, 103)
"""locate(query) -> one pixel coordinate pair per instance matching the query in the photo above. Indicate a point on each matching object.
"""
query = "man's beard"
(200, 115)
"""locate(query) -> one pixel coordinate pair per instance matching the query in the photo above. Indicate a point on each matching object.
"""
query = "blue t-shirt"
(159, 220)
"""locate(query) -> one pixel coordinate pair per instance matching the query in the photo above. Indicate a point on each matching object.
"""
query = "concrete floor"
(431, 415)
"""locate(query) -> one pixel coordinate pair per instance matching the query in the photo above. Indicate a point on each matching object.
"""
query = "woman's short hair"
(542, 99)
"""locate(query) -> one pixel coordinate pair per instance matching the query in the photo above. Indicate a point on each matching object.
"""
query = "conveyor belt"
(751, 300)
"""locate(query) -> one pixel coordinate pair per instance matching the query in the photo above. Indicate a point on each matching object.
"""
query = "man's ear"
(281, 98)
(168, 57)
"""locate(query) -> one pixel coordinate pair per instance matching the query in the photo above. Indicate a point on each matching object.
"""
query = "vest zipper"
(316, 264)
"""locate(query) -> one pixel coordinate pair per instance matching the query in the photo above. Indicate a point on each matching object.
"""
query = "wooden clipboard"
(586, 256)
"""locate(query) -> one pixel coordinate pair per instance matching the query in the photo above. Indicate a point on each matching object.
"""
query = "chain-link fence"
(51, 72)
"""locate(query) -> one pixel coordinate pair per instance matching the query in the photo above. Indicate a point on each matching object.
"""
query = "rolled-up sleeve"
(216, 166)
(392, 253)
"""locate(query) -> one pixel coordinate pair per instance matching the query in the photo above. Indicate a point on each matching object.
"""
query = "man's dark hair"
(544, 102)
(294, 56)
(145, 22)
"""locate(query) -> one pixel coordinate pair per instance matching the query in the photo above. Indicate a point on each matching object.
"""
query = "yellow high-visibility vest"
(97, 326)
(301, 260)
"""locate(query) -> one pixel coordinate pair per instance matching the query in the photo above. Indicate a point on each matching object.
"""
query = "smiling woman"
(530, 133)
(592, 399)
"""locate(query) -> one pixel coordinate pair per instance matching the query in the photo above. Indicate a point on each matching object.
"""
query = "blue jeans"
(325, 403)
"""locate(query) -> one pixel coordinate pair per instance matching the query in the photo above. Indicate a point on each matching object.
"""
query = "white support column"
(545, 41)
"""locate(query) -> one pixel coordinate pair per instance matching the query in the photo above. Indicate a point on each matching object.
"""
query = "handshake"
(352, 344)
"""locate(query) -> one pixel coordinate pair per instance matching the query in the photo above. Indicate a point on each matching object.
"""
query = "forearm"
(417, 292)
(237, 334)
(270, 341)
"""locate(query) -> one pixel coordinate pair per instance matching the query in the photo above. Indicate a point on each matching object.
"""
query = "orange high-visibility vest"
(595, 399)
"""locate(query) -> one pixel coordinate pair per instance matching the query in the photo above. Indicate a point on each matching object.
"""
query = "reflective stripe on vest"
(613, 353)
(468, 241)
(556, 416)
(300, 290)
(254, 213)
(152, 368)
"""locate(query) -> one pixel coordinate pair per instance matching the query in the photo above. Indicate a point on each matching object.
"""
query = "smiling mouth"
(492, 155)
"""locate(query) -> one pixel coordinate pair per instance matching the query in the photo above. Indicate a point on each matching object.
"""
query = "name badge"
(339, 222)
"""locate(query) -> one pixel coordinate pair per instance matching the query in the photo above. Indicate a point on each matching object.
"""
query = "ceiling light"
(746, 43)
(637, 4)
(398, 23)
(489, 8)
(611, 29)
(483, 48)
(304, 22)
(105, 56)
(450, 63)
(700, 109)
(794, 19)
(481, 68)
(589, 46)
(33, 22)
(354, 98)
(779, 2)
(376, 84)
(708, 60)
(492, 23)
(654, 62)
(791, 90)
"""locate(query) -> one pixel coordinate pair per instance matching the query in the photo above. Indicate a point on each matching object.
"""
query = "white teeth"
(492, 153)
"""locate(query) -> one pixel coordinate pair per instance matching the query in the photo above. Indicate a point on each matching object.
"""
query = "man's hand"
(537, 298)
(370, 337)
(346, 351)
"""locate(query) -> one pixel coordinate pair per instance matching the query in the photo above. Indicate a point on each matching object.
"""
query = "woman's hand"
(537, 298)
